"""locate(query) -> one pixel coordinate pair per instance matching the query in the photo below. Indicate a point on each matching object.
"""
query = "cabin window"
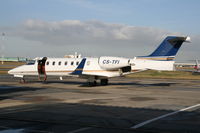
(77, 63)
(47, 63)
(88, 63)
(59, 63)
(53, 63)
(72, 63)
(65, 63)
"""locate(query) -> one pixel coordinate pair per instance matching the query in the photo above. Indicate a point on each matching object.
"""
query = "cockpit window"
(30, 62)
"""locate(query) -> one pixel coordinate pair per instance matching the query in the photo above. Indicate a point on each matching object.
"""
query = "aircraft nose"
(10, 71)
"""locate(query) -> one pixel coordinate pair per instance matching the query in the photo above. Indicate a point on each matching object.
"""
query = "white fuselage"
(99, 67)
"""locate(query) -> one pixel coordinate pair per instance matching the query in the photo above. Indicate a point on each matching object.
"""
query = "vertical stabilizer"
(170, 46)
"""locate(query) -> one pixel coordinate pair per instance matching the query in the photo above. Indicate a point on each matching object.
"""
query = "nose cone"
(10, 71)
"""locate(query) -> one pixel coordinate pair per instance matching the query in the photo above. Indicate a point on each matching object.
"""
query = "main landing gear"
(104, 81)
(93, 82)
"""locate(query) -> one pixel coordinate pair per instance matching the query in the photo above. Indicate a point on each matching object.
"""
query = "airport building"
(13, 59)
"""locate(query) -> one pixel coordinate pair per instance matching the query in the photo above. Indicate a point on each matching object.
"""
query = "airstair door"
(41, 68)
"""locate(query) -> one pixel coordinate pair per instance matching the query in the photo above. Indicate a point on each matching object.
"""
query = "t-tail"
(168, 49)
(163, 57)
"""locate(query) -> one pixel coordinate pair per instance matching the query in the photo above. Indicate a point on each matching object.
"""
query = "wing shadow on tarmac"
(85, 84)
(65, 117)
(9, 92)
(5, 89)
(144, 84)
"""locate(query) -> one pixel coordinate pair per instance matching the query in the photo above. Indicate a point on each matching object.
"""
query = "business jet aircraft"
(104, 67)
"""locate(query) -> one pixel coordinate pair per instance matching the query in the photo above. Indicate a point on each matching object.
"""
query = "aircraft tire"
(22, 81)
(92, 83)
(104, 81)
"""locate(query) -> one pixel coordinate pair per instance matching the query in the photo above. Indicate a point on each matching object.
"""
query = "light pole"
(2, 47)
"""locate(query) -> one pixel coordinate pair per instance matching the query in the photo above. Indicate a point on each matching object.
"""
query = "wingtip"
(188, 39)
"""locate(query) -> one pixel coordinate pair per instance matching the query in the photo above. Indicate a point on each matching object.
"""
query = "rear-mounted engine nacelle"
(110, 63)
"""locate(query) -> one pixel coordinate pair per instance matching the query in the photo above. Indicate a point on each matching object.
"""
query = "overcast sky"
(32, 28)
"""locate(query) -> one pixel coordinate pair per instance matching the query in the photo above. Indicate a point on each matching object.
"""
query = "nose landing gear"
(22, 80)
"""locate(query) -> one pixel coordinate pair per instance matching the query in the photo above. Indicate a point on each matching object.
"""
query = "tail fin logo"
(170, 46)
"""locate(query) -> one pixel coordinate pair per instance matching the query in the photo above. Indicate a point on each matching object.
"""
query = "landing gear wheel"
(94, 83)
(104, 81)
(22, 81)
